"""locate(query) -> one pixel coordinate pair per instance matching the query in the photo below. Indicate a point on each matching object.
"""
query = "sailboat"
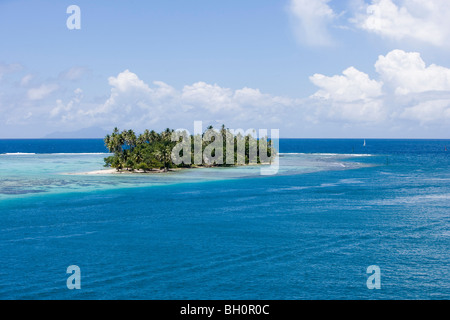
(364, 143)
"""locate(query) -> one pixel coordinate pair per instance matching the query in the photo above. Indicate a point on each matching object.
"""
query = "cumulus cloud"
(406, 72)
(210, 97)
(425, 21)
(128, 81)
(249, 97)
(311, 19)
(132, 100)
(66, 109)
(404, 90)
(399, 20)
(351, 96)
(407, 89)
(353, 85)
(134, 103)
(428, 111)
(128, 90)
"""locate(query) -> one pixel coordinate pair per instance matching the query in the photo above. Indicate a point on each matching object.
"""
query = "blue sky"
(316, 68)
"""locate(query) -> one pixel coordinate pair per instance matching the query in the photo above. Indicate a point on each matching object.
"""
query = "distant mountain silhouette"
(86, 133)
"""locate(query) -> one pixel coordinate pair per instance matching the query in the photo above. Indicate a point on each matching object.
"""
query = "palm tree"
(130, 139)
(137, 156)
(166, 135)
(108, 142)
(141, 139)
(164, 155)
(147, 136)
(114, 142)
(154, 136)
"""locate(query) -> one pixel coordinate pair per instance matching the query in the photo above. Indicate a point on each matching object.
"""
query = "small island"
(152, 152)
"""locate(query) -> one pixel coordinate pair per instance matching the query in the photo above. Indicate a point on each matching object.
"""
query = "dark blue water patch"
(342, 146)
(45, 146)
(356, 146)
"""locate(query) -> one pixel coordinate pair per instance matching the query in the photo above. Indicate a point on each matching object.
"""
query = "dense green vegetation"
(151, 150)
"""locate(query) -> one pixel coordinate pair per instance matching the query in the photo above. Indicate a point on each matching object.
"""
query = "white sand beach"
(114, 171)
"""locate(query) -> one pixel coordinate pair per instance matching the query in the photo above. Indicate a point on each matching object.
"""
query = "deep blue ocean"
(309, 232)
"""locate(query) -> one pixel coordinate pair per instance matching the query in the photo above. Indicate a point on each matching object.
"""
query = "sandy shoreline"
(114, 171)
(141, 172)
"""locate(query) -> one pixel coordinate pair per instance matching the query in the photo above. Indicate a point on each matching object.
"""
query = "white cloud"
(215, 99)
(371, 111)
(210, 97)
(133, 103)
(311, 19)
(65, 109)
(428, 111)
(353, 85)
(128, 81)
(406, 72)
(132, 99)
(425, 21)
(42, 91)
(352, 96)
(407, 89)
